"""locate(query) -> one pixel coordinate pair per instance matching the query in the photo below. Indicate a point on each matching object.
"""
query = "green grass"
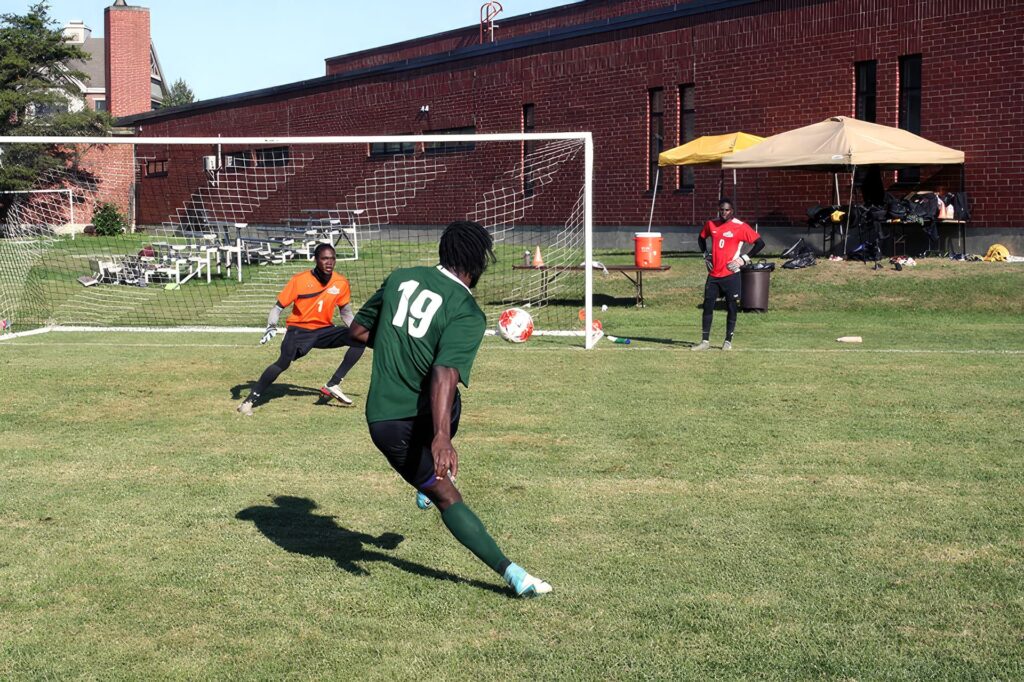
(794, 509)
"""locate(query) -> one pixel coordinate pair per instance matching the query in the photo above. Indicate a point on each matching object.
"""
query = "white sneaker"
(245, 409)
(335, 392)
(703, 345)
(727, 345)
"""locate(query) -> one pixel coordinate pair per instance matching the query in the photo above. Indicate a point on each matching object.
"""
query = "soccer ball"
(515, 325)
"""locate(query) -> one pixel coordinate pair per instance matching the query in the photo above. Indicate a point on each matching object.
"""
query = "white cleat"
(703, 345)
(727, 345)
(525, 584)
(335, 392)
(245, 409)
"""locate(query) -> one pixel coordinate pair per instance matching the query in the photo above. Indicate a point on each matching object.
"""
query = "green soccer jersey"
(420, 317)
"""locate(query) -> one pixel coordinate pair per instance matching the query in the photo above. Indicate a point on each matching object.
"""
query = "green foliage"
(180, 93)
(36, 72)
(108, 220)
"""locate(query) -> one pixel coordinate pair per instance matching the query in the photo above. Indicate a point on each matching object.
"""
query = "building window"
(265, 157)
(156, 169)
(450, 147)
(100, 104)
(529, 147)
(866, 90)
(655, 134)
(392, 148)
(687, 130)
(910, 107)
(271, 157)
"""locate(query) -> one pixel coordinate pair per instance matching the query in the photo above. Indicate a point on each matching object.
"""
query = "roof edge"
(688, 9)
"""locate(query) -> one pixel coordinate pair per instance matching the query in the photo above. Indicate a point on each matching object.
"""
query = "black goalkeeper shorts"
(729, 288)
(406, 444)
(298, 341)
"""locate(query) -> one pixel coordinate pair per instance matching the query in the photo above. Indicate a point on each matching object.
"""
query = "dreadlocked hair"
(467, 248)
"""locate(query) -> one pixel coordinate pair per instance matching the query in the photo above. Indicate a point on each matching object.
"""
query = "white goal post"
(214, 226)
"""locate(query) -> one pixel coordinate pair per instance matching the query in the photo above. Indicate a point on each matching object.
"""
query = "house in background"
(119, 58)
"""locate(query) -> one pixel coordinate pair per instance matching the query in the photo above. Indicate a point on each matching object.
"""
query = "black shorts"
(406, 444)
(298, 341)
(729, 287)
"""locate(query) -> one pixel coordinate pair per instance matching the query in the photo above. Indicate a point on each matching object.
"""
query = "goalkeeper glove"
(269, 334)
(708, 261)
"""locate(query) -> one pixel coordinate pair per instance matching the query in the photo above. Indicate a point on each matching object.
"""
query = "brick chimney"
(126, 31)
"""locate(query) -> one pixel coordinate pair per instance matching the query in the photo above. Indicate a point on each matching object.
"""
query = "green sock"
(468, 530)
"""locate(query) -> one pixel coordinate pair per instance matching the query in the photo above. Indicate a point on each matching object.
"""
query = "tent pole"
(835, 177)
(757, 199)
(849, 212)
(654, 197)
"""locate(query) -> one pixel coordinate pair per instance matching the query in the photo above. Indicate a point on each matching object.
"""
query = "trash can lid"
(646, 235)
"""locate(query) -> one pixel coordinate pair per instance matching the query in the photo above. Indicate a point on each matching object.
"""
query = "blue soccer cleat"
(422, 501)
(523, 583)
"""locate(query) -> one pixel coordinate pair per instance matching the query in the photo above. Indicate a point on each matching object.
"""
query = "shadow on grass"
(275, 391)
(292, 526)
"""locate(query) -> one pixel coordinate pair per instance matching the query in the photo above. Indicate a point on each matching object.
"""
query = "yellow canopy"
(707, 149)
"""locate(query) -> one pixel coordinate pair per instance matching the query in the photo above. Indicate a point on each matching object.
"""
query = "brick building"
(644, 74)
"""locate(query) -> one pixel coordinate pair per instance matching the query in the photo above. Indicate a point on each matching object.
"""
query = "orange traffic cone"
(538, 260)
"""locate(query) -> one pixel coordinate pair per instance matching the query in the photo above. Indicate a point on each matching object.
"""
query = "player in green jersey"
(425, 329)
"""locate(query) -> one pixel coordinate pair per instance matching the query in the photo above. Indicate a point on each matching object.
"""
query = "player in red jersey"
(728, 235)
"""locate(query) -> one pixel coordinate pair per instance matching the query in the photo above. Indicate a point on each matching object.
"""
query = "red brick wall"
(506, 27)
(126, 30)
(763, 69)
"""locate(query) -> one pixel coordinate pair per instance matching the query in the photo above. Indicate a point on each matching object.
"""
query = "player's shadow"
(275, 391)
(291, 525)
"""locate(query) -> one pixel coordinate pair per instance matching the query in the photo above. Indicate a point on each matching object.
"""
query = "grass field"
(793, 509)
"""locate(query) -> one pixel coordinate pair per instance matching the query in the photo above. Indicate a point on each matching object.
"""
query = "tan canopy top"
(841, 142)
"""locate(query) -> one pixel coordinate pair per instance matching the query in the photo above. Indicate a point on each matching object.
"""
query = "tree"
(179, 94)
(36, 76)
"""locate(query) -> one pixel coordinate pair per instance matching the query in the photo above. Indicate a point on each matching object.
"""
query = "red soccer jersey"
(727, 240)
(313, 303)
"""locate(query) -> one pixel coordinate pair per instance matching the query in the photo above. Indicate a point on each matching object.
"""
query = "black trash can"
(755, 280)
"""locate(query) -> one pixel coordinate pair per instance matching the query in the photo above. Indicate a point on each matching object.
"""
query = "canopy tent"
(841, 143)
(705, 150)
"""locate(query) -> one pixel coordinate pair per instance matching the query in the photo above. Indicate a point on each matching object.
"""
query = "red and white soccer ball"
(515, 325)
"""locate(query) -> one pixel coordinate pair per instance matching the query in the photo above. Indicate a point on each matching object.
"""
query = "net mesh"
(214, 232)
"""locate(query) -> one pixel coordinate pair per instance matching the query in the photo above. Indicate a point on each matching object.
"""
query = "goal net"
(129, 233)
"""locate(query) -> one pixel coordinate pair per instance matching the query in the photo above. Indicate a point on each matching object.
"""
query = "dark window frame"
(261, 157)
(655, 135)
(378, 150)
(156, 168)
(450, 147)
(910, 108)
(529, 146)
(865, 106)
(687, 132)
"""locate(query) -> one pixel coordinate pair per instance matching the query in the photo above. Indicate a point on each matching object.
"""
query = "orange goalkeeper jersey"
(313, 303)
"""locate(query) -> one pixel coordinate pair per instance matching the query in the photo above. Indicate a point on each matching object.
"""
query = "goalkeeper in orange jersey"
(313, 295)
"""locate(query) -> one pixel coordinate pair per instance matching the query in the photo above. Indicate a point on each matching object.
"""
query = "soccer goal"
(202, 233)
